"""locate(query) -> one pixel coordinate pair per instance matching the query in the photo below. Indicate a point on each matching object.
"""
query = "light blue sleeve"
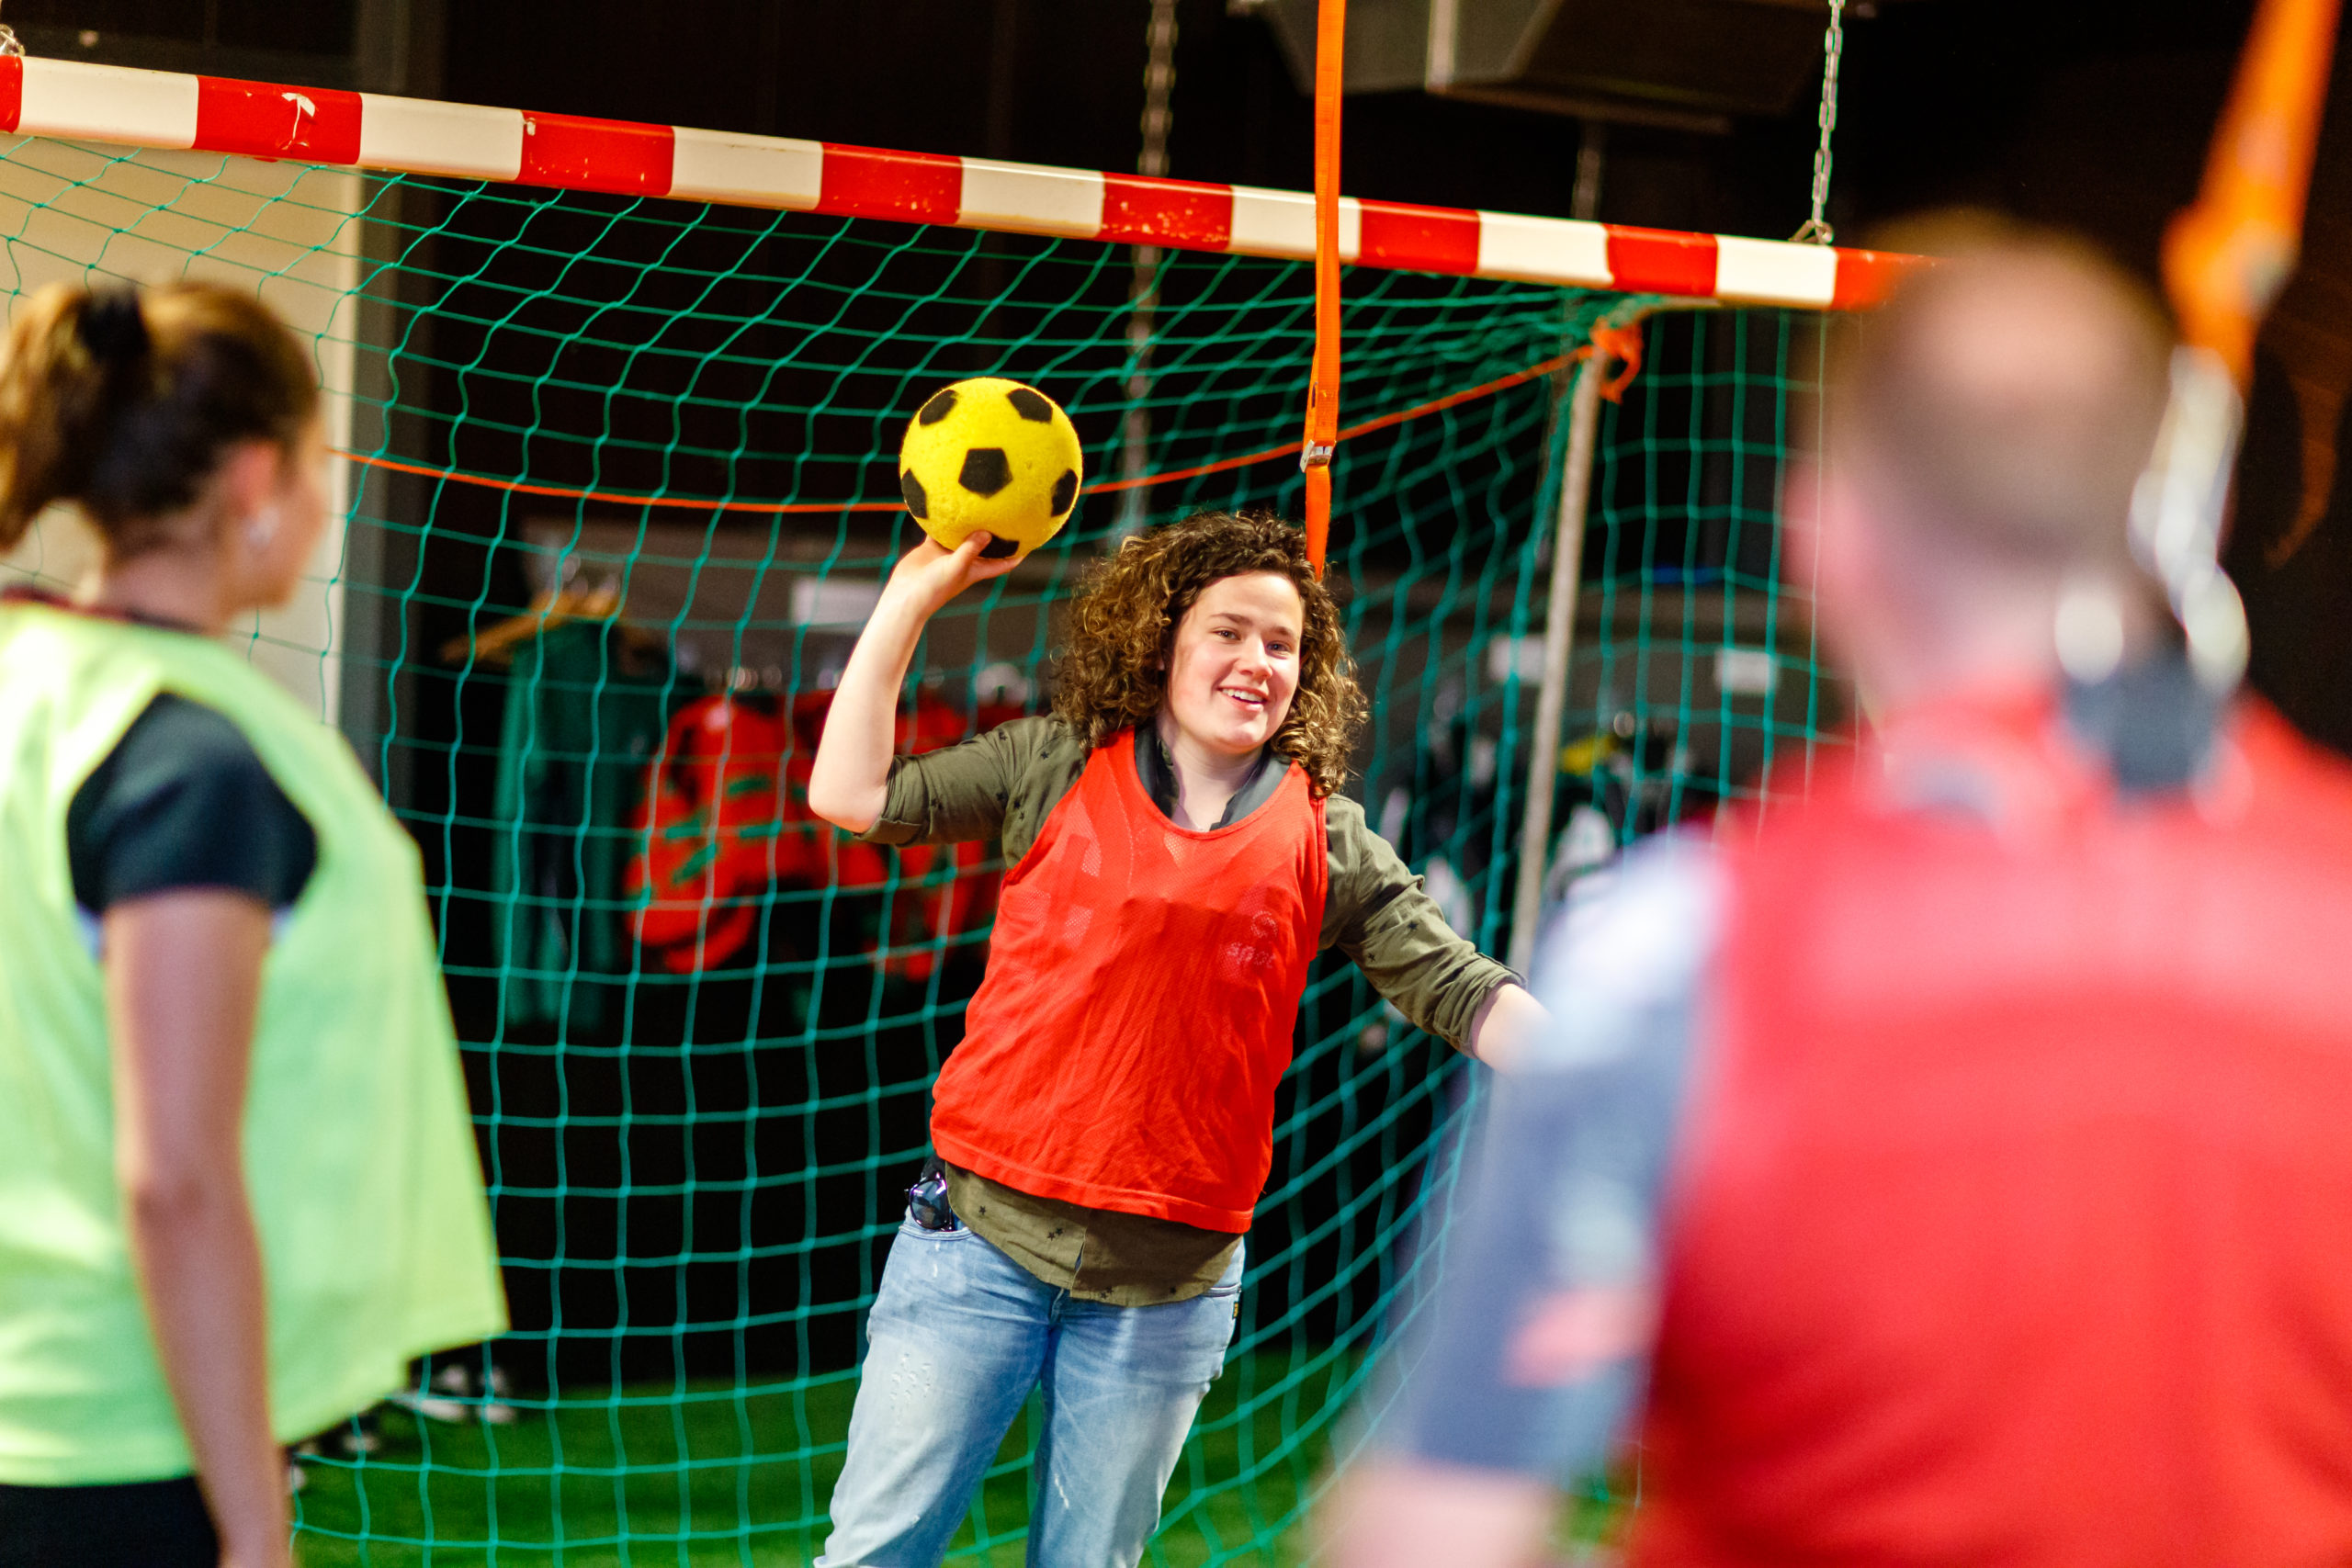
(1517, 1361)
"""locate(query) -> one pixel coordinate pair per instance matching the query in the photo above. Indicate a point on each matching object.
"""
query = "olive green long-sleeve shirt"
(1003, 786)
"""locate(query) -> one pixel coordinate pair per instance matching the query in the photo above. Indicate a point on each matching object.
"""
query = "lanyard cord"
(2226, 259)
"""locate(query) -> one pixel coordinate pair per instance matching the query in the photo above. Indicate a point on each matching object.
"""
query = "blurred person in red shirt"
(1952, 1168)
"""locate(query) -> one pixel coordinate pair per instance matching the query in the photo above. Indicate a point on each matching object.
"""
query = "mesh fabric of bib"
(1142, 991)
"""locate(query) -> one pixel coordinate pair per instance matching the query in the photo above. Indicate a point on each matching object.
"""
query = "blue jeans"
(958, 1335)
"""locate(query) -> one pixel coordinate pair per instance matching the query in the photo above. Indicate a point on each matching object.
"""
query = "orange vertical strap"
(2227, 258)
(1323, 380)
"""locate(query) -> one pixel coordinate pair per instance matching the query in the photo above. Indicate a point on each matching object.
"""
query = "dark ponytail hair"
(125, 399)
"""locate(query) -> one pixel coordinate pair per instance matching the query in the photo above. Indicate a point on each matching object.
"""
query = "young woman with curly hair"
(1179, 855)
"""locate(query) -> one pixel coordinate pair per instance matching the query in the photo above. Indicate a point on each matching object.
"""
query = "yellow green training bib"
(359, 1151)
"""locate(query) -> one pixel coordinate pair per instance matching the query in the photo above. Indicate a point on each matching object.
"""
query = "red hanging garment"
(725, 825)
(720, 826)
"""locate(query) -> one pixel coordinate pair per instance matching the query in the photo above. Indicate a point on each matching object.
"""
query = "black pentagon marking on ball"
(1030, 405)
(998, 548)
(1065, 492)
(942, 404)
(985, 470)
(917, 502)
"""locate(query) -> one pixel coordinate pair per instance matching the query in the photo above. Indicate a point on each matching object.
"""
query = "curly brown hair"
(1112, 675)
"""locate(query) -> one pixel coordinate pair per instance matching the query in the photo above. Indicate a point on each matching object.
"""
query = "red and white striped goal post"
(74, 101)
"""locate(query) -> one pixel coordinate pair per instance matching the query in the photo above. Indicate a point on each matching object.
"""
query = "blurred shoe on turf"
(448, 1398)
(495, 1410)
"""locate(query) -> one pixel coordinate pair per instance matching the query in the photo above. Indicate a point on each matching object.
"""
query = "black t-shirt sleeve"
(183, 801)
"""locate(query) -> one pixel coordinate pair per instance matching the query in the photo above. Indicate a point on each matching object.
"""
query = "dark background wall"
(2093, 114)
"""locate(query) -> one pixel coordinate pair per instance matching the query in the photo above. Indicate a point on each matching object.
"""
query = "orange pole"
(1323, 380)
(2227, 256)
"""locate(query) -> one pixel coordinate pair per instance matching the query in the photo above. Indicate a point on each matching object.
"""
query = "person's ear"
(1835, 551)
(1800, 518)
(248, 480)
(1836, 542)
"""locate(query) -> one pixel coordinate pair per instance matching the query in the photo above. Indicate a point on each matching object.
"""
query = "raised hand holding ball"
(989, 455)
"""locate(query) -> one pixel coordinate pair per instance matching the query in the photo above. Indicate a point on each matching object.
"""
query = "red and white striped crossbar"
(261, 120)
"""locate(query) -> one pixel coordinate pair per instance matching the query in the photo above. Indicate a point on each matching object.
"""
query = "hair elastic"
(113, 326)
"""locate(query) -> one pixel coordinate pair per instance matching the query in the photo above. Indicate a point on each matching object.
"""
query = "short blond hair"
(2007, 399)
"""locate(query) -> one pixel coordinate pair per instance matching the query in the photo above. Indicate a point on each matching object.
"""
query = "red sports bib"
(2010, 1229)
(1142, 990)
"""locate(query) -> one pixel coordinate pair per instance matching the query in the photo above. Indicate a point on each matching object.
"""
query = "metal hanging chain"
(1158, 88)
(1143, 288)
(1816, 228)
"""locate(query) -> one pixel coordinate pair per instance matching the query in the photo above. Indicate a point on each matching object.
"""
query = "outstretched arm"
(1381, 914)
(183, 982)
(1530, 1357)
(850, 779)
(1395, 1513)
(1528, 1362)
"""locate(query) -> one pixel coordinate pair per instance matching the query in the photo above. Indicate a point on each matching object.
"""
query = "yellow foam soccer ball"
(994, 454)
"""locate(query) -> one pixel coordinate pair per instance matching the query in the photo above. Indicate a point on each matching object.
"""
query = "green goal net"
(620, 492)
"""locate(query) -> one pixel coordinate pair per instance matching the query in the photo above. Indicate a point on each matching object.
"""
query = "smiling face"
(1234, 667)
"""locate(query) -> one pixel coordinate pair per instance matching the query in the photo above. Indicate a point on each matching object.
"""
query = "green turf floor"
(708, 1476)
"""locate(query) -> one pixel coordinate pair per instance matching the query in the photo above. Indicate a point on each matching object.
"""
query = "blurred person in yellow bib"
(239, 1188)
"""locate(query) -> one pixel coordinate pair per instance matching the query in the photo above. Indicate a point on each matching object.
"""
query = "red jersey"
(1141, 995)
(2012, 1225)
(1983, 1137)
